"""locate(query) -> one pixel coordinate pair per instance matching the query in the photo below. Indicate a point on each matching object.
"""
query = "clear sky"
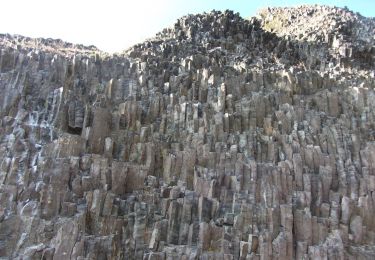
(114, 25)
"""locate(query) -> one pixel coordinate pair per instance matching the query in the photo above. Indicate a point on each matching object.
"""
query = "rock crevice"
(219, 138)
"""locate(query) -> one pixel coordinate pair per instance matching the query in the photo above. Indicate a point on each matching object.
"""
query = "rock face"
(217, 139)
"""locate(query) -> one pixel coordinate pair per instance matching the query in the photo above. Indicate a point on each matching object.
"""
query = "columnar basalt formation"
(220, 138)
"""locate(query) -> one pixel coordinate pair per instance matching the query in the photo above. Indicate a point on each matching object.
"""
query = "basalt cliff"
(219, 138)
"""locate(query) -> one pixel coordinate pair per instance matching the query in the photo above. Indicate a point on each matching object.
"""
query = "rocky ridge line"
(216, 139)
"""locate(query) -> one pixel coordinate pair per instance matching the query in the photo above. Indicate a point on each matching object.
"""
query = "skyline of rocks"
(219, 138)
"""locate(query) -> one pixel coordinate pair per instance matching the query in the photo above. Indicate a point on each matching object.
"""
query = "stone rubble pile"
(347, 34)
(216, 139)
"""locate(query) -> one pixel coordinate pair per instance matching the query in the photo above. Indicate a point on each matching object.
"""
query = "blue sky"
(113, 25)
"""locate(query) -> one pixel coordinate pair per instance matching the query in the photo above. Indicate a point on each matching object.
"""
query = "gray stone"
(219, 138)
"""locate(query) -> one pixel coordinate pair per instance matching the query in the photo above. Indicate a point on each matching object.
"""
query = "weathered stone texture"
(217, 139)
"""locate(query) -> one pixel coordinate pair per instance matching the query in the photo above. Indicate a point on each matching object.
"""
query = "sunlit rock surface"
(220, 138)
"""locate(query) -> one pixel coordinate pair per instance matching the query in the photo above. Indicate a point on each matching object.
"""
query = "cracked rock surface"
(219, 138)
